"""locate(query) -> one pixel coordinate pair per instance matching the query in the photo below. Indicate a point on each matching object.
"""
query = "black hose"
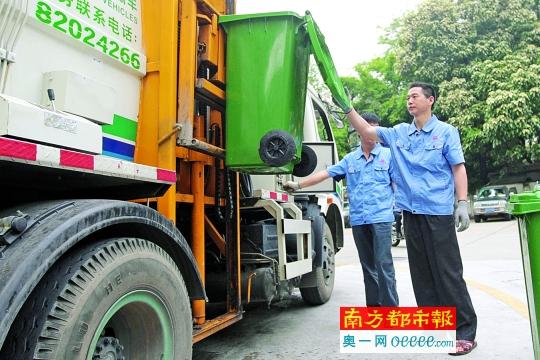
(246, 186)
(216, 134)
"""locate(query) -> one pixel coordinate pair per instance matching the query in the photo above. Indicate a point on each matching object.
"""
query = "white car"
(491, 202)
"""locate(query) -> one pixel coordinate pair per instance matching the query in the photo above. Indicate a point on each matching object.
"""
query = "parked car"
(491, 201)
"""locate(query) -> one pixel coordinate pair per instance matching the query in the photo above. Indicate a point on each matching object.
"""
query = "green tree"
(497, 111)
(379, 89)
(443, 37)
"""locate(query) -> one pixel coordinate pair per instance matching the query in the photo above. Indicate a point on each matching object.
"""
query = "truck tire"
(277, 148)
(321, 293)
(477, 219)
(308, 162)
(123, 297)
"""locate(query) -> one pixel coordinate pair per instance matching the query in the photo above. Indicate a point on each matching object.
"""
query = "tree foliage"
(485, 57)
(379, 89)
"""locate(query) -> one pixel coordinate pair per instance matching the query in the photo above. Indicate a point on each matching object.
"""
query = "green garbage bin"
(526, 206)
(267, 68)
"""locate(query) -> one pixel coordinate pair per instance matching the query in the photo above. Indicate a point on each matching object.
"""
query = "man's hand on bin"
(461, 215)
(291, 186)
(344, 105)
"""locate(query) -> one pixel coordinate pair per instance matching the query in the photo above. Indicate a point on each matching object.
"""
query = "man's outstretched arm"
(361, 126)
(310, 180)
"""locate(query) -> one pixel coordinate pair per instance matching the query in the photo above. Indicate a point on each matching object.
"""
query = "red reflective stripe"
(75, 159)
(285, 197)
(18, 149)
(273, 195)
(166, 175)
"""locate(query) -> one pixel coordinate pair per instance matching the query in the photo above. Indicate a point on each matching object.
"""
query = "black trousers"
(436, 268)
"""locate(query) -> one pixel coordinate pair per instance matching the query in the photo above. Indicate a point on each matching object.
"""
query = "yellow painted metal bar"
(214, 234)
(157, 116)
(197, 232)
(197, 220)
(210, 88)
(213, 326)
(220, 75)
(209, 7)
(147, 127)
(167, 100)
(188, 68)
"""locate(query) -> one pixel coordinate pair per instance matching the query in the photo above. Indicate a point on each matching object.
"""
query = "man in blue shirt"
(429, 161)
(369, 172)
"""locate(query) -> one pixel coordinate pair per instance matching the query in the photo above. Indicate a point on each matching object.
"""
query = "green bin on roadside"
(526, 206)
(267, 63)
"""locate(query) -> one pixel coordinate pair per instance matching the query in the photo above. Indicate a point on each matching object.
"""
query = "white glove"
(291, 186)
(461, 216)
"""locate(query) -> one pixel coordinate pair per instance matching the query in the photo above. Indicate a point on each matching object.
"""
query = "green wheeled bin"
(526, 207)
(267, 69)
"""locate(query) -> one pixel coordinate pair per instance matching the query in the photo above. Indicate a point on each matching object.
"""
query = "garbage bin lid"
(524, 203)
(325, 63)
(232, 18)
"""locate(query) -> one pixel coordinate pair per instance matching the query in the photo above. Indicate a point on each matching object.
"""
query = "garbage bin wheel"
(277, 148)
(308, 162)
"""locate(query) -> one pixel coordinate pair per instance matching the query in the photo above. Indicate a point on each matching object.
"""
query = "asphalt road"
(291, 330)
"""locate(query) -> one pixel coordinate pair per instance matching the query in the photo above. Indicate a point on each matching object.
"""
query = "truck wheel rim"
(328, 261)
(129, 306)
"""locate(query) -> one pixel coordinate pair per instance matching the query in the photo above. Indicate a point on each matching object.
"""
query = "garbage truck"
(143, 148)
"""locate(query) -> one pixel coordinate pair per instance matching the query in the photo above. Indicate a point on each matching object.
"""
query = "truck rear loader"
(124, 234)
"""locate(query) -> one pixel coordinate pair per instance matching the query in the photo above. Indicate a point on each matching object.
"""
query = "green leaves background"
(485, 58)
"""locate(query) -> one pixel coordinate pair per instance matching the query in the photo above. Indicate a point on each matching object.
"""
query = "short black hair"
(371, 118)
(427, 88)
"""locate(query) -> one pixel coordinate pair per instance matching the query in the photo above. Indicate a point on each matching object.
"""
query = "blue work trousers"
(374, 243)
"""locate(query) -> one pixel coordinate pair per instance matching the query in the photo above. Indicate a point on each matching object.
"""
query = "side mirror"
(337, 122)
(353, 139)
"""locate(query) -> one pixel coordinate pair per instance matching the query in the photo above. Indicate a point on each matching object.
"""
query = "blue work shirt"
(368, 185)
(423, 160)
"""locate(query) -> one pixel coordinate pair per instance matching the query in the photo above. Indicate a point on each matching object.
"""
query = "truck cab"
(491, 202)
